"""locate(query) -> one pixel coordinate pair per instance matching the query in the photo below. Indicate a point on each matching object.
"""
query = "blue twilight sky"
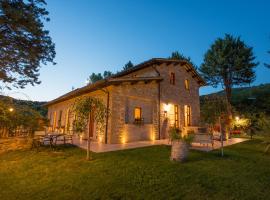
(93, 36)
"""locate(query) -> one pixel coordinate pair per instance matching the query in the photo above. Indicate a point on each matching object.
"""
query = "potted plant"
(180, 144)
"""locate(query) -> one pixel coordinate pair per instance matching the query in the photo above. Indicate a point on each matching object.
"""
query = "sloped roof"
(118, 78)
(159, 61)
(99, 85)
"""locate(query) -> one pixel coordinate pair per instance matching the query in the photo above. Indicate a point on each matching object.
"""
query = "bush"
(175, 134)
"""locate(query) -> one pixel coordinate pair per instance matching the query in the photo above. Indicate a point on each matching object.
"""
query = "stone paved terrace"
(99, 147)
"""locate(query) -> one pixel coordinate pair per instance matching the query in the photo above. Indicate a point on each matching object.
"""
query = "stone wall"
(125, 98)
(177, 94)
(66, 106)
(174, 94)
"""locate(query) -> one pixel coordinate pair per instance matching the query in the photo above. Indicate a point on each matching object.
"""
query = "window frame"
(187, 84)
(140, 112)
(176, 116)
(172, 78)
(188, 115)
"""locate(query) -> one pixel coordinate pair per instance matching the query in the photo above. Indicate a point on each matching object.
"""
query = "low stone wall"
(134, 132)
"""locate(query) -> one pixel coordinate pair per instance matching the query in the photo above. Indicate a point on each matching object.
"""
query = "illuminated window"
(187, 115)
(187, 84)
(138, 114)
(176, 116)
(172, 78)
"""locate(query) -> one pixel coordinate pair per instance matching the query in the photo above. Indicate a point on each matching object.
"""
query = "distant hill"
(36, 105)
(252, 99)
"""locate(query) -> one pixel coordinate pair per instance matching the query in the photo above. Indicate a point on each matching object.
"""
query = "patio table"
(52, 137)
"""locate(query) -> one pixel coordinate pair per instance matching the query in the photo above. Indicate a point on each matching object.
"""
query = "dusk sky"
(93, 36)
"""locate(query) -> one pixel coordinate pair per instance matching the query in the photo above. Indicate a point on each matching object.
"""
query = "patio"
(100, 147)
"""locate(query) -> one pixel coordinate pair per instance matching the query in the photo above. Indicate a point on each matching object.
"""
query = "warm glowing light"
(100, 139)
(11, 109)
(237, 118)
(153, 137)
(167, 107)
(81, 137)
(123, 140)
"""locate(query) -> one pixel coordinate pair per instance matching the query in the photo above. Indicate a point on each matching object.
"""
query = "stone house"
(144, 102)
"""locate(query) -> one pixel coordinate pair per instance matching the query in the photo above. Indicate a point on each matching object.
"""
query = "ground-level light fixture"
(11, 109)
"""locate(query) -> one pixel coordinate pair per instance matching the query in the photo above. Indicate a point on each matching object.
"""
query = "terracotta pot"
(179, 151)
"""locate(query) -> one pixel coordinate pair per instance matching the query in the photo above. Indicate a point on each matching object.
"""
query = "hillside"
(36, 105)
(249, 99)
(246, 99)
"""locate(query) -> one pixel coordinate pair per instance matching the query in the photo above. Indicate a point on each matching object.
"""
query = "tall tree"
(229, 62)
(24, 42)
(107, 74)
(179, 56)
(128, 65)
(97, 77)
(94, 78)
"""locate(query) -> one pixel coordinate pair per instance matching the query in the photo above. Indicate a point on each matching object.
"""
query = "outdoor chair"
(68, 139)
(204, 139)
(64, 138)
(37, 141)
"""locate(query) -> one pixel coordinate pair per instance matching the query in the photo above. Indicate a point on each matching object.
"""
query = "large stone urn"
(179, 151)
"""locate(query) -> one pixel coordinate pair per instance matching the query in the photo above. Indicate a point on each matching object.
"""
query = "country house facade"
(144, 102)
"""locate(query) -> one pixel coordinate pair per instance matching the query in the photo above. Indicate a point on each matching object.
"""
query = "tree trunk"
(228, 91)
(90, 134)
(88, 157)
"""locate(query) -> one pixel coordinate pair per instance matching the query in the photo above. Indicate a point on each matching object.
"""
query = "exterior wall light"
(166, 109)
(100, 139)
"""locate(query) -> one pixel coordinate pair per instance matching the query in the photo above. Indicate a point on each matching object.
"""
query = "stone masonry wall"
(67, 105)
(125, 98)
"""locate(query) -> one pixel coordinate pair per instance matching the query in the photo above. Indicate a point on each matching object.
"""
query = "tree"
(178, 56)
(128, 65)
(89, 109)
(20, 118)
(229, 62)
(97, 77)
(94, 78)
(107, 74)
(24, 42)
(211, 109)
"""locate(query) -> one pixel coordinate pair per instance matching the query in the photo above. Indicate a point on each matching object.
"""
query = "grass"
(144, 173)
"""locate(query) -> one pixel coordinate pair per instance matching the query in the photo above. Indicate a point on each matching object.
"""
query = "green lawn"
(144, 173)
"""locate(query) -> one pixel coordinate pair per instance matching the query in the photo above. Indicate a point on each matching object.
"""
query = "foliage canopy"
(24, 42)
